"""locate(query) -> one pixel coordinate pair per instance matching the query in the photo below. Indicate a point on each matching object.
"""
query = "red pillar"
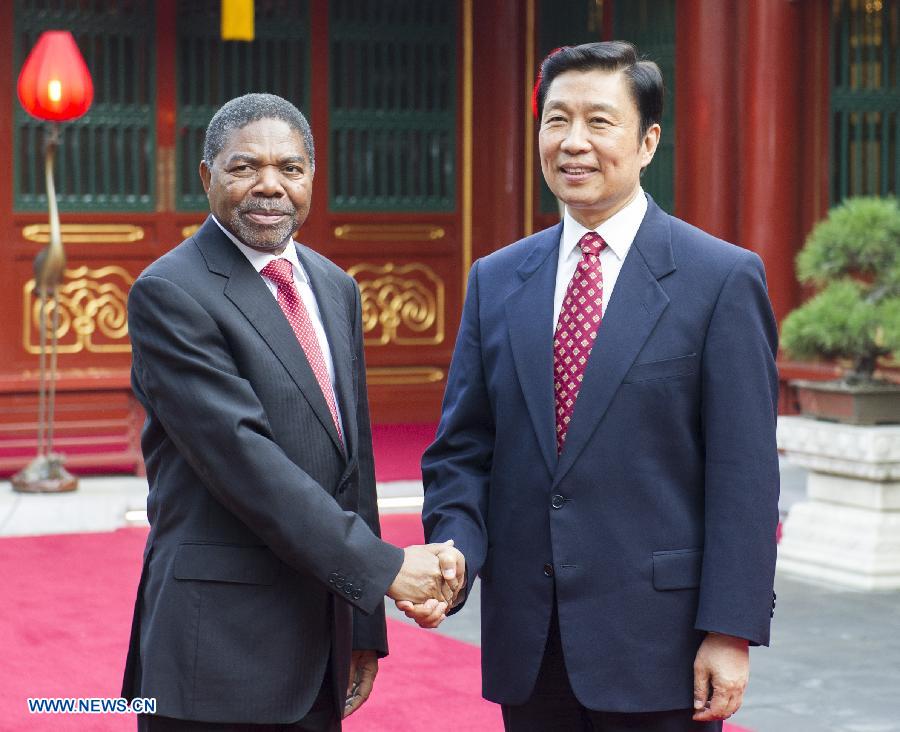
(499, 106)
(706, 154)
(168, 227)
(772, 138)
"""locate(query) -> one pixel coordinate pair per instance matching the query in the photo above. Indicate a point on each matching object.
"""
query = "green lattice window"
(865, 99)
(212, 71)
(106, 158)
(392, 102)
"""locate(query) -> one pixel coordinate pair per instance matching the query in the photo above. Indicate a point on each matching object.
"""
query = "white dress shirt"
(301, 282)
(618, 232)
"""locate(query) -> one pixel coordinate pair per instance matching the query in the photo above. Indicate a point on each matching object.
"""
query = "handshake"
(429, 582)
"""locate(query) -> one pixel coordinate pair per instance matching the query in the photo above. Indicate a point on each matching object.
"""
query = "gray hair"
(241, 111)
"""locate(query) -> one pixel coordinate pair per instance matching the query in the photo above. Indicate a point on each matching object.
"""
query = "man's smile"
(574, 172)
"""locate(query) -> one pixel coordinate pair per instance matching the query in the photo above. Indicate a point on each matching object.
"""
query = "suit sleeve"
(369, 630)
(456, 468)
(739, 410)
(183, 366)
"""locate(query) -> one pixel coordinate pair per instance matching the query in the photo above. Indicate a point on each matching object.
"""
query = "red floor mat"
(398, 449)
(65, 613)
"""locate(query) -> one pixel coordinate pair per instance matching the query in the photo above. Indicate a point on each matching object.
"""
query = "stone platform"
(847, 531)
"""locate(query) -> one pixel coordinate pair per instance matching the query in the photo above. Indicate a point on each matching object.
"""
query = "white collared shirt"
(301, 282)
(618, 232)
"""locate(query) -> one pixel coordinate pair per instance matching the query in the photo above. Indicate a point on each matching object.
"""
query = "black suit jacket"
(263, 557)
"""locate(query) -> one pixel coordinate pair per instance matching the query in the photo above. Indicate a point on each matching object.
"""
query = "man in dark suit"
(264, 574)
(606, 457)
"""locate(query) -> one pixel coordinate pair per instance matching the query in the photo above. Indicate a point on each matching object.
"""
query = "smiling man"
(260, 604)
(606, 455)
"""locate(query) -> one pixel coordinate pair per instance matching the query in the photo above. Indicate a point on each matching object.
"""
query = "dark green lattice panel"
(564, 23)
(392, 105)
(106, 158)
(865, 99)
(650, 26)
(212, 71)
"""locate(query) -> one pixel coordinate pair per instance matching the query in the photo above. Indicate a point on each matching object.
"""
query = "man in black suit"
(264, 574)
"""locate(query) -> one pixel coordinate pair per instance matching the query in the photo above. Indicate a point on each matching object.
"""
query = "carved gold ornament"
(400, 304)
(85, 233)
(403, 375)
(92, 312)
(389, 232)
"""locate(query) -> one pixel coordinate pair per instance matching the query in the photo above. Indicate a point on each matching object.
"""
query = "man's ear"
(205, 175)
(650, 143)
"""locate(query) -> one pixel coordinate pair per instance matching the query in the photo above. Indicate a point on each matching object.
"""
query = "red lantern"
(55, 83)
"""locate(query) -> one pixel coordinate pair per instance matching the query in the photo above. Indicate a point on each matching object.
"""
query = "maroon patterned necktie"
(282, 274)
(579, 318)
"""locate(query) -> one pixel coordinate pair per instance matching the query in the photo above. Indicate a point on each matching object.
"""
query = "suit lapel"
(529, 314)
(246, 289)
(637, 302)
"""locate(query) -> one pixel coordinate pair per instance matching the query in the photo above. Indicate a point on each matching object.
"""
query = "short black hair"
(241, 111)
(644, 77)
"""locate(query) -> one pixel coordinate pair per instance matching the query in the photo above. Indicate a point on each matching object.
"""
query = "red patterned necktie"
(579, 318)
(282, 274)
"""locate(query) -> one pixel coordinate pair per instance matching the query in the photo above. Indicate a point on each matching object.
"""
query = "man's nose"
(268, 182)
(576, 139)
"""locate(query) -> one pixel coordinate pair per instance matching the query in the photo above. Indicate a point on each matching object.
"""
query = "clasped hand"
(429, 582)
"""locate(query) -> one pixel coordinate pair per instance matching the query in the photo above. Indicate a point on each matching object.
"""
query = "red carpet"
(65, 613)
(429, 682)
(399, 448)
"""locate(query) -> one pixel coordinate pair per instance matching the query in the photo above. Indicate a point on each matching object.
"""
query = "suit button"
(332, 578)
(557, 501)
(348, 587)
(357, 594)
(548, 570)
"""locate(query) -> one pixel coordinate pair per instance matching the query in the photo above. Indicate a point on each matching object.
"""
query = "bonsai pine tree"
(853, 258)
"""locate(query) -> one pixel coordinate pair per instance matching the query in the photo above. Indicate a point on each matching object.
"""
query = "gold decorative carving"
(389, 232)
(189, 231)
(92, 311)
(400, 304)
(86, 233)
(403, 375)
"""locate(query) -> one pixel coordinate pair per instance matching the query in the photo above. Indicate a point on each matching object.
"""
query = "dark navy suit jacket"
(263, 559)
(657, 522)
